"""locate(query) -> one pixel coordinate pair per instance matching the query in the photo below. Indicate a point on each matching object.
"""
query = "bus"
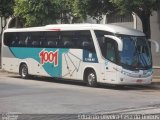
(92, 53)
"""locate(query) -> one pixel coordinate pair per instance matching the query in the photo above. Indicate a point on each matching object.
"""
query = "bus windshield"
(136, 53)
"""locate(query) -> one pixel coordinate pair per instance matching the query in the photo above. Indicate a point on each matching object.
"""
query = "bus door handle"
(106, 68)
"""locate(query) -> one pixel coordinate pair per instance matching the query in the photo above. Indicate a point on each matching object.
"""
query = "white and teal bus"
(92, 53)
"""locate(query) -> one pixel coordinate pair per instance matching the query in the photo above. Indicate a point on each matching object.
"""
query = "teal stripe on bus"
(34, 53)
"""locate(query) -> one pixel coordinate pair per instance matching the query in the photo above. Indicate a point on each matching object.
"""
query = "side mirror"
(156, 44)
(118, 40)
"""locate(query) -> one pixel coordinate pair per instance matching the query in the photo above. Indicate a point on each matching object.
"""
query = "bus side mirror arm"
(156, 44)
(118, 40)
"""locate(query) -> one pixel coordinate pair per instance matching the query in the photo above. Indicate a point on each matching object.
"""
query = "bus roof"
(68, 27)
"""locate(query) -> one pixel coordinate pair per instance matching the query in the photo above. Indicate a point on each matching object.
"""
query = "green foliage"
(79, 8)
(6, 8)
(63, 8)
(36, 12)
(42, 12)
(66, 11)
(143, 8)
(97, 8)
(93, 8)
(136, 6)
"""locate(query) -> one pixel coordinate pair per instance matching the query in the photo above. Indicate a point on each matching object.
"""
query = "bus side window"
(35, 43)
(13, 43)
(67, 39)
(101, 40)
(23, 37)
(10, 39)
(111, 50)
(51, 39)
(21, 43)
(76, 42)
(35, 39)
(87, 43)
(42, 40)
(52, 43)
(67, 42)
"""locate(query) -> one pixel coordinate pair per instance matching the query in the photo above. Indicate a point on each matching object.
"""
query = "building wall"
(155, 35)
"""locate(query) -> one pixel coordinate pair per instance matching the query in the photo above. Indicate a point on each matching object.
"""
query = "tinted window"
(100, 37)
(76, 40)
(67, 39)
(109, 49)
(50, 39)
(85, 40)
(100, 34)
(11, 39)
(34, 39)
(23, 39)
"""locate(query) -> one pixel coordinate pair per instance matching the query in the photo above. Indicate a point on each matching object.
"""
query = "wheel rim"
(91, 78)
(24, 72)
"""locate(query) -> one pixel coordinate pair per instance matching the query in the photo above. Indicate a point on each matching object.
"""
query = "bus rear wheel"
(91, 78)
(23, 71)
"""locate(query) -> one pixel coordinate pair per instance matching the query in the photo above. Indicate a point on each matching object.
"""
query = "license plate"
(139, 81)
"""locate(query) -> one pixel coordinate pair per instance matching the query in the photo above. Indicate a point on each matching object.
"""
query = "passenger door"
(111, 55)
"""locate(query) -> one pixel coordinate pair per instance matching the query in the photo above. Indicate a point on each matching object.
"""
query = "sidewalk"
(155, 82)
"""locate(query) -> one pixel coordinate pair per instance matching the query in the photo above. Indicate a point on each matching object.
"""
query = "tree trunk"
(3, 24)
(1, 27)
(145, 18)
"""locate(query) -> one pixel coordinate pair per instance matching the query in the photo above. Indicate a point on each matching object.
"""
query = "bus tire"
(91, 78)
(23, 71)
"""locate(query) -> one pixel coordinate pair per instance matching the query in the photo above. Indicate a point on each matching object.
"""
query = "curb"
(155, 85)
(156, 77)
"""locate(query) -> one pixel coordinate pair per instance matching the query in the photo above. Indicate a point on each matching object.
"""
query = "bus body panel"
(110, 71)
(70, 63)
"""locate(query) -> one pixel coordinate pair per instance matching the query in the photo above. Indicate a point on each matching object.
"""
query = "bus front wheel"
(91, 78)
(23, 71)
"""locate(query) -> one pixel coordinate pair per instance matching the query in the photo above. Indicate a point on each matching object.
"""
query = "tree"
(143, 8)
(6, 10)
(79, 10)
(97, 8)
(93, 8)
(42, 12)
(64, 10)
(36, 12)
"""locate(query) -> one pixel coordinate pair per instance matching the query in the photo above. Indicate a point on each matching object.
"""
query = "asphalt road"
(40, 95)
